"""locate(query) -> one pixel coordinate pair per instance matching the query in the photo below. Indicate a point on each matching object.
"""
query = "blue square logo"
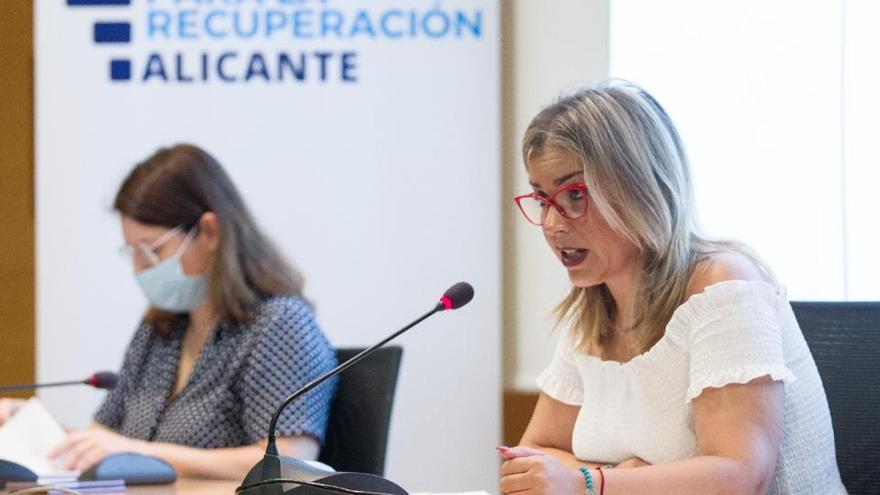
(120, 70)
(112, 32)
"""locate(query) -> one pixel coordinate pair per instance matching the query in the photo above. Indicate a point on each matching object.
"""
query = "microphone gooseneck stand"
(106, 380)
(271, 474)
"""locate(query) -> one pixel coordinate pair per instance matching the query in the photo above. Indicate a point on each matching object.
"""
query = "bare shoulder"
(722, 266)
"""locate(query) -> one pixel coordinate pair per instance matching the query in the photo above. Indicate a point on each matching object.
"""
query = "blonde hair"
(638, 178)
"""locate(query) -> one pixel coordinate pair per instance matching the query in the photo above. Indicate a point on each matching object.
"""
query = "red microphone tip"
(106, 380)
(446, 302)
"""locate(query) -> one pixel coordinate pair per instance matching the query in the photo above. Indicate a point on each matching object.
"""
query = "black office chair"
(360, 415)
(844, 338)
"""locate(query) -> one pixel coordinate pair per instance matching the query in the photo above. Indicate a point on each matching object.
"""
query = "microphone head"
(457, 296)
(106, 380)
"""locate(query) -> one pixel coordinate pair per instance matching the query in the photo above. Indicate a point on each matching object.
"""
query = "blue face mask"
(168, 288)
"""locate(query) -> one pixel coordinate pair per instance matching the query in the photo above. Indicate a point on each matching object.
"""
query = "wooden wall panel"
(17, 295)
(518, 408)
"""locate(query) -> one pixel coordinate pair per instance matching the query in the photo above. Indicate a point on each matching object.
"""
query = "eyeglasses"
(147, 253)
(570, 201)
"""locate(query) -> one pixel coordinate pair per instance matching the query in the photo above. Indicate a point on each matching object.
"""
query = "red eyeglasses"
(570, 201)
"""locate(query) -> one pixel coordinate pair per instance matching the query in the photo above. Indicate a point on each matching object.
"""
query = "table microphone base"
(274, 467)
(11, 471)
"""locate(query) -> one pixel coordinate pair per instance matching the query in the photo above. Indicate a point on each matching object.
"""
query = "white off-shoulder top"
(732, 332)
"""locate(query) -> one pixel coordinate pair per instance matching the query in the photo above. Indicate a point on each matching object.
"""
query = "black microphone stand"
(267, 476)
(102, 379)
(270, 474)
(271, 449)
(28, 386)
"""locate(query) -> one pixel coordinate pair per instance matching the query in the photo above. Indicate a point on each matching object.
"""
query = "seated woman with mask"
(226, 338)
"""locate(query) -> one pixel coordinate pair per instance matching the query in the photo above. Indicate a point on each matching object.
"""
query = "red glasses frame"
(552, 201)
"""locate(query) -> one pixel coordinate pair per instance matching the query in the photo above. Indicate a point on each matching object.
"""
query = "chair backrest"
(360, 415)
(844, 338)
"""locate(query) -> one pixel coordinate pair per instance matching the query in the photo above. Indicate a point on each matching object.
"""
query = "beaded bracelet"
(589, 479)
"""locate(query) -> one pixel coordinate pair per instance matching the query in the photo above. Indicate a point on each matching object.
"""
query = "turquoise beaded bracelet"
(589, 479)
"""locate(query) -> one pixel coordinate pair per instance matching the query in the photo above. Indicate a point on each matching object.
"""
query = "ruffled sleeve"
(561, 379)
(734, 335)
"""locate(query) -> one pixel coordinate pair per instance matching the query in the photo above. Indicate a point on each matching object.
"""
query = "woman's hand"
(528, 470)
(88, 447)
(8, 407)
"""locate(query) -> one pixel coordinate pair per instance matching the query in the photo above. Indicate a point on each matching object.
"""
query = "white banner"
(365, 137)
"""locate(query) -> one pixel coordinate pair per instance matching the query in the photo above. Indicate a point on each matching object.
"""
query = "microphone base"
(272, 467)
(11, 471)
(354, 481)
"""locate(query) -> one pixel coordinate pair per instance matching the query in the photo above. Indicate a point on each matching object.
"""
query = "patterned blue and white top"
(242, 375)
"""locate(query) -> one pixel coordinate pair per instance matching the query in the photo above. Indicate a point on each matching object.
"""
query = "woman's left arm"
(88, 447)
(738, 430)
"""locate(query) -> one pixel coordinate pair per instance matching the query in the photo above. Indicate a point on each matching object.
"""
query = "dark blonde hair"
(638, 178)
(176, 186)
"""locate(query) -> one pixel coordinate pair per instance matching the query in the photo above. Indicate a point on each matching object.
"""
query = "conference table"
(187, 486)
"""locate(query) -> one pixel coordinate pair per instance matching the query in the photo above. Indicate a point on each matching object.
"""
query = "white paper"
(28, 436)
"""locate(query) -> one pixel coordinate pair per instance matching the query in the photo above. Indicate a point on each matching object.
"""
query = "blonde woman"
(683, 369)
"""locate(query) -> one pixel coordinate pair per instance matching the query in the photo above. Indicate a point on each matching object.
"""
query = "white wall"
(755, 90)
(861, 157)
(553, 45)
(777, 104)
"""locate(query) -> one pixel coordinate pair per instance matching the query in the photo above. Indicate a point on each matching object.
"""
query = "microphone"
(11, 471)
(274, 469)
(106, 380)
(457, 296)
